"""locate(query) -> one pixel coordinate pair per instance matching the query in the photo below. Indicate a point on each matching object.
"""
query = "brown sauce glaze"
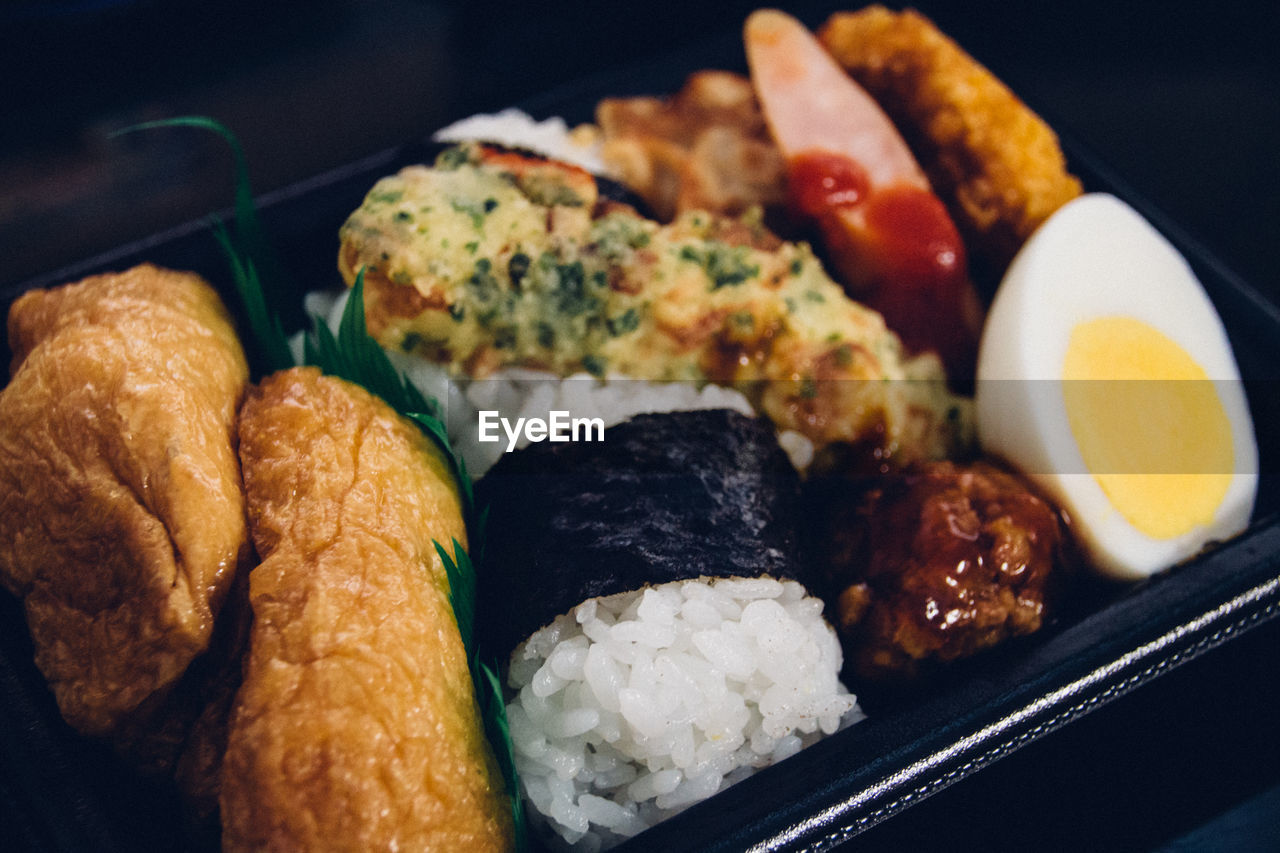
(937, 563)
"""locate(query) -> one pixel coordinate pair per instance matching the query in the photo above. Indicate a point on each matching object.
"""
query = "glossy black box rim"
(59, 791)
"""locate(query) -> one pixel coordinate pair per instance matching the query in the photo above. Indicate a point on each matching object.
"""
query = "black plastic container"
(61, 792)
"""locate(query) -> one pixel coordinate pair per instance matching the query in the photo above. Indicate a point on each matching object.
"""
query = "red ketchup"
(897, 251)
(820, 182)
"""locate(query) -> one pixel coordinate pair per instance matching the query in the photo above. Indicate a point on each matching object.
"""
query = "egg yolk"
(1158, 441)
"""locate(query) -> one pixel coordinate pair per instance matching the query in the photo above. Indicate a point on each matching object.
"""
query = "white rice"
(523, 393)
(513, 128)
(633, 707)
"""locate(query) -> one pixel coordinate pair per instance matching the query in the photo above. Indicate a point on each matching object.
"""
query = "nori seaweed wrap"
(648, 596)
(664, 497)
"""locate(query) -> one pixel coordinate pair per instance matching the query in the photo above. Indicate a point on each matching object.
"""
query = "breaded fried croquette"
(122, 521)
(356, 727)
(995, 162)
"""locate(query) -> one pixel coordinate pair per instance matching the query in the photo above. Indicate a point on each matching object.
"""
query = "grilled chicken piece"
(122, 520)
(356, 727)
(705, 148)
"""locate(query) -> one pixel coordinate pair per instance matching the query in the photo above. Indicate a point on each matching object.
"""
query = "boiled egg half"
(1106, 377)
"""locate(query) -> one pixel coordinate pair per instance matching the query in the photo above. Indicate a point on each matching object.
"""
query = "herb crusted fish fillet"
(492, 259)
(356, 727)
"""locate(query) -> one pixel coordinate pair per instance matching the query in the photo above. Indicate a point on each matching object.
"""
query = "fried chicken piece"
(938, 563)
(356, 727)
(995, 162)
(705, 148)
(122, 520)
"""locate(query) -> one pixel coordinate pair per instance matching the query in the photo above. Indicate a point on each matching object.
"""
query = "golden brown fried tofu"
(201, 703)
(995, 162)
(356, 727)
(122, 519)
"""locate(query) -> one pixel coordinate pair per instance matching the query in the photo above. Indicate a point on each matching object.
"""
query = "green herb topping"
(724, 265)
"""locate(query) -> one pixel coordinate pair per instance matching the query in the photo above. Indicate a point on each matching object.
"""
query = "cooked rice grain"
(635, 706)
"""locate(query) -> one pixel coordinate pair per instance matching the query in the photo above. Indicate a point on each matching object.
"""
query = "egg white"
(1097, 257)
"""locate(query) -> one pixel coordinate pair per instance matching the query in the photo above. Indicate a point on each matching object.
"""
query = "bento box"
(66, 793)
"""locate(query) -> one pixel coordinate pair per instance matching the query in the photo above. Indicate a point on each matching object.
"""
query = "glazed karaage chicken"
(938, 563)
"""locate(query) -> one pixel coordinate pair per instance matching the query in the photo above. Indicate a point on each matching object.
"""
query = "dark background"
(1182, 99)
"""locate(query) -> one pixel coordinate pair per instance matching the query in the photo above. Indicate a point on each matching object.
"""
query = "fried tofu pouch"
(996, 163)
(356, 727)
(122, 519)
